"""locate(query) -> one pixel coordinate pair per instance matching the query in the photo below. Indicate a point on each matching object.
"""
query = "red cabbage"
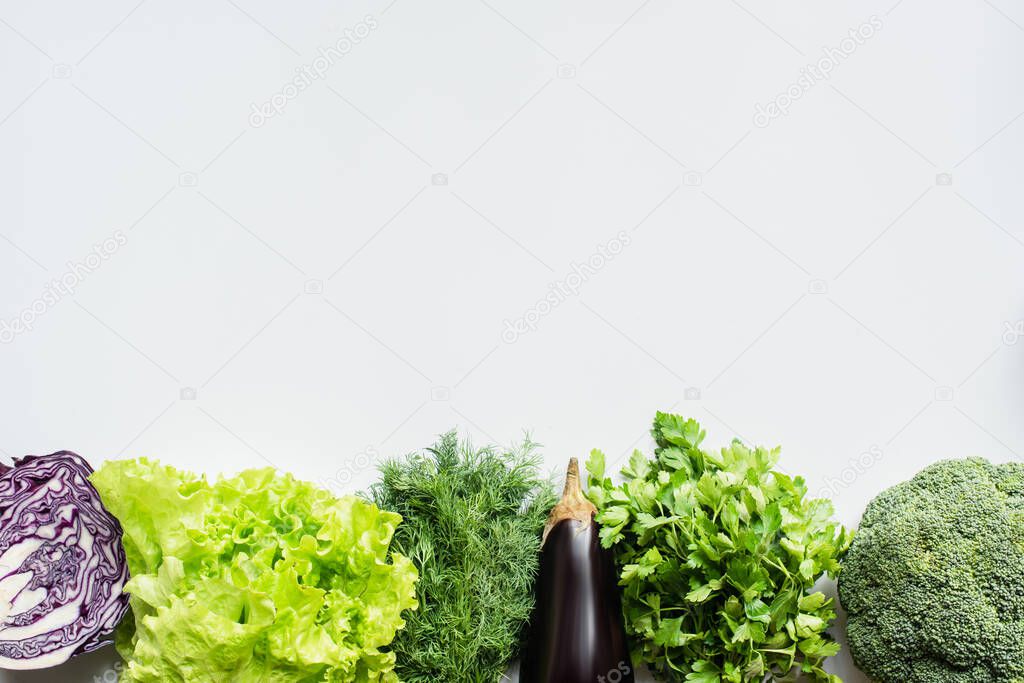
(62, 565)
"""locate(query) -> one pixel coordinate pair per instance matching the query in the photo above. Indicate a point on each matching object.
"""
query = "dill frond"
(472, 522)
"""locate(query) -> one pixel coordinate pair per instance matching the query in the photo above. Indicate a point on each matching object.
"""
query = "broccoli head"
(933, 584)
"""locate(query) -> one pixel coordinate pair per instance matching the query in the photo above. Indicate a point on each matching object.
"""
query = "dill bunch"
(472, 523)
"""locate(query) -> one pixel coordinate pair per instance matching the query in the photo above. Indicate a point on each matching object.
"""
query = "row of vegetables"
(702, 565)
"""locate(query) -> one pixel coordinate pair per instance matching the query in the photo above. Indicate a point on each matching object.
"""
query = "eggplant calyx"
(573, 505)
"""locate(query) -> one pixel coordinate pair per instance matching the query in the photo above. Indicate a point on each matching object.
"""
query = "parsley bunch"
(471, 523)
(718, 556)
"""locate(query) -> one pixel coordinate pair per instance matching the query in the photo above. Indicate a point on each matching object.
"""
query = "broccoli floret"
(934, 582)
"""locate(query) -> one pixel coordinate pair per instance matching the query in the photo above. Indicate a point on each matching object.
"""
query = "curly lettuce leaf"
(259, 578)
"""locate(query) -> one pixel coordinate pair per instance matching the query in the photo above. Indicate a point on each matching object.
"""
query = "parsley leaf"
(718, 556)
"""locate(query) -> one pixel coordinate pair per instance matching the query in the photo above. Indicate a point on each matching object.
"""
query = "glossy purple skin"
(577, 633)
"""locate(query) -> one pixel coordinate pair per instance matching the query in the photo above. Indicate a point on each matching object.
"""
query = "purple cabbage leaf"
(62, 565)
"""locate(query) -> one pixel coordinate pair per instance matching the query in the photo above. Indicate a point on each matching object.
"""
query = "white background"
(845, 280)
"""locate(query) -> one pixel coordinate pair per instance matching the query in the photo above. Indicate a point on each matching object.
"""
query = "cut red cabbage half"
(62, 566)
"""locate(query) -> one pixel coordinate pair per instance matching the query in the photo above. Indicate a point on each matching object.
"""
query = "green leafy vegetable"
(719, 555)
(255, 579)
(473, 523)
(934, 583)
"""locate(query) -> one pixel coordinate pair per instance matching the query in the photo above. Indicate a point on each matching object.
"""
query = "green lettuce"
(259, 578)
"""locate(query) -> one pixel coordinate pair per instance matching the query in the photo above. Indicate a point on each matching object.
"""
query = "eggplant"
(576, 633)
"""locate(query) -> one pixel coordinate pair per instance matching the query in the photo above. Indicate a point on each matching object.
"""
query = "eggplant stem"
(573, 505)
